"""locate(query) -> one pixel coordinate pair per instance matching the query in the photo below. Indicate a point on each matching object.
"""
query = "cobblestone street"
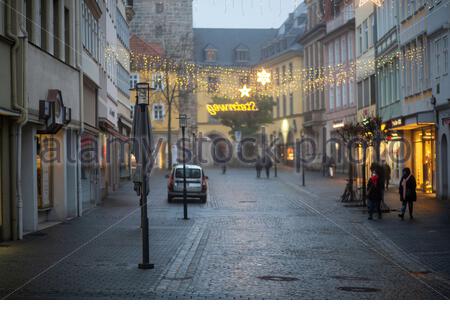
(254, 239)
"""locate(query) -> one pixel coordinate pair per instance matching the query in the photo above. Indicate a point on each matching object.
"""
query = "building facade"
(141, 71)
(55, 51)
(365, 35)
(12, 117)
(44, 84)
(339, 55)
(314, 123)
(283, 56)
(170, 25)
(388, 85)
(438, 32)
(226, 59)
(365, 42)
(417, 109)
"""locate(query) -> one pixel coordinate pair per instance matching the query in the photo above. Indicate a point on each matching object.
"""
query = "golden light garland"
(230, 79)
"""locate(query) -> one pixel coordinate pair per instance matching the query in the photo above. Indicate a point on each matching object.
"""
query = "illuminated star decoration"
(378, 3)
(263, 77)
(245, 92)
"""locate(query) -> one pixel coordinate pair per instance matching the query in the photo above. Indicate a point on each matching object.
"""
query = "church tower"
(167, 22)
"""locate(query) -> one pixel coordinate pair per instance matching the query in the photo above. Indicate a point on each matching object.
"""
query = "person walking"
(258, 166)
(387, 174)
(381, 183)
(408, 194)
(324, 165)
(374, 195)
(331, 167)
(268, 165)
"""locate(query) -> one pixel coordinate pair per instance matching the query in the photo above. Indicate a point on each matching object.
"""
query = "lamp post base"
(146, 266)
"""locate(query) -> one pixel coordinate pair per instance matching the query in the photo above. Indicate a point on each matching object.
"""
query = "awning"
(106, 126)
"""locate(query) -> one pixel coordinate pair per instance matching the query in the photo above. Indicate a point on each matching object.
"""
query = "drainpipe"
(79, 66)
(17, 209)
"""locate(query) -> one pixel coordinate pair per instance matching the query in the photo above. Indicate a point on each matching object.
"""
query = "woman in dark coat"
(268, 165)
(408, 194)
(258, 166)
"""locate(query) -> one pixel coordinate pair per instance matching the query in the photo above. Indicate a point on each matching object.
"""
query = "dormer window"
(241, 54)
(210, 54)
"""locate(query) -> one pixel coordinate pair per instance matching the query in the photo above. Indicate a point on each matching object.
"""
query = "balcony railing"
(347, 14)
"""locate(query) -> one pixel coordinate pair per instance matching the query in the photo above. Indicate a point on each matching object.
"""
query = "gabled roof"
(288, 35)
(225, 41)
(241, 47)
(210, 47)
(139, 46)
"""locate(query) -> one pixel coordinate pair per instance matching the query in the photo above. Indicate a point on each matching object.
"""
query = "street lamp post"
(183, 124)
(142, 132)
(194, 142)
(275, 155)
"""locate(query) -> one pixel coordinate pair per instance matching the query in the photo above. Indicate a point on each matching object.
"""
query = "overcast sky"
(242, 13)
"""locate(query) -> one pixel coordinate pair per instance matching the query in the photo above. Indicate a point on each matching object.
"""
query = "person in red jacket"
(374, 195)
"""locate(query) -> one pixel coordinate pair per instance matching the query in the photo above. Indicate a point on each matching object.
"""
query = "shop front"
(424, 158)
(336, 149)
(391, 153)
(288, 156)
(89, 170)
(44, 173)
(413, 145)
(444, 154)
(285, 141)
(124, 151)
(50, 144)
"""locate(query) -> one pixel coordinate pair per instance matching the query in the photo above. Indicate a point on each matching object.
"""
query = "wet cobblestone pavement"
(254, 239)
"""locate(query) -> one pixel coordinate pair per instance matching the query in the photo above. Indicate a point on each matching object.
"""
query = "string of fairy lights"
(264, 80)
(228, 81)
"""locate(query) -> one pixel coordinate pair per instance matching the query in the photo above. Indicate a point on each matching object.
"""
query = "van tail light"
(204, 185)
(170, 185)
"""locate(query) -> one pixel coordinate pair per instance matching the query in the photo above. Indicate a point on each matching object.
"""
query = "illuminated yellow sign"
(214, 109)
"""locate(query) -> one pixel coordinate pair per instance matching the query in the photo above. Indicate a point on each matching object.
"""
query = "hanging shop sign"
(214, 109)
(53, 112)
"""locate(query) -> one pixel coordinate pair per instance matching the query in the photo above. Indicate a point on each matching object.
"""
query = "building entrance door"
(89, 171)
(44, 172)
